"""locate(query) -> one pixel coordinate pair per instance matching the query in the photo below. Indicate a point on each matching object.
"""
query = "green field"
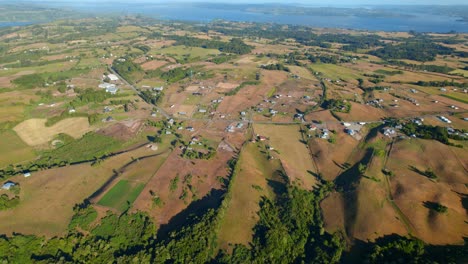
(13, 149)
(335, 72)
(122, 195)
(462, 98)
(190, 53)
(89, 146)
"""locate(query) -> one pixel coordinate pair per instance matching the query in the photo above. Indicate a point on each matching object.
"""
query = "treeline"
(422, 67)
(275, 67)
(441, 83)
(301, 34)
(329, 59)
(235, 45)
(412, 50)
(431, 132)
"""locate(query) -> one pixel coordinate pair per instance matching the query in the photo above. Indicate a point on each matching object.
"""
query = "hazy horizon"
(300, 2)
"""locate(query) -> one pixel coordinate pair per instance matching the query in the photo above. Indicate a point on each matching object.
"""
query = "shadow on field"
(347, 182)
(188, 216)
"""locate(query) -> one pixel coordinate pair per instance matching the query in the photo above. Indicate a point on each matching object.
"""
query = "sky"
(311, 2)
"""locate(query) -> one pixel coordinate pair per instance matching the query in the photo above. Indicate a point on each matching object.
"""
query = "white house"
(7, 185)
(27, 174)
(112, 90)
(113, 77)
(106, 85)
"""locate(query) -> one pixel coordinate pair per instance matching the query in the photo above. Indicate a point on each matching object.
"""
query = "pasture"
(122, 195)
(292, 152)
(13, 149)
(183, 53)
(48, 197)
(253, 179)
(34, 131)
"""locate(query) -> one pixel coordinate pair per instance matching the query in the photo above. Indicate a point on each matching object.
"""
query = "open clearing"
(253, 175)
(34, 131)
(294, 155)
(13, 149)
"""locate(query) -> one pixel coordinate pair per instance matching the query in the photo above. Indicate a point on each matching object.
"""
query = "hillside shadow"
(196, 209)
(347, 183)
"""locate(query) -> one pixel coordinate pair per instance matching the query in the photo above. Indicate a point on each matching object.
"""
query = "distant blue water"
(13, 24)
(417, 22)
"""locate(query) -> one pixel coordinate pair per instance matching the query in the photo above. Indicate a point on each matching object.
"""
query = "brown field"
(226, 86)
(153, 65)
(124, 130)
(410, 190)
(241, 215)
(373, 206)
(204, 179)
(322, 115)
(34, 132)
(48, 197)
(360, 112)
(252, 94)
(294, 155)
(330, 157)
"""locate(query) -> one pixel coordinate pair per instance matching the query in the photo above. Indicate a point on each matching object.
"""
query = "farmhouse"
(159, 89)
(106, 85)
(112, 90)
(113, 77)
(7, 185)
(27, 174)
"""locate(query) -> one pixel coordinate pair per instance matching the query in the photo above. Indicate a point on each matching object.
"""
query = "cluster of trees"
(412, 50)
(173, 75)
(421, 67)
(441, 83)
(235, 45)
(337, 105)
(192, 153)
(151, 97)
(126, 68)
(275, 67)
(6, 202)
(222, 58)
(290, 230)
(430, 132)
(329, 59)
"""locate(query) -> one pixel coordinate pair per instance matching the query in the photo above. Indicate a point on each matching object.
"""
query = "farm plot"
(122, 195)
(253, 177)
(34, 131)
(13, 149)
(48, 197)
(294, 155)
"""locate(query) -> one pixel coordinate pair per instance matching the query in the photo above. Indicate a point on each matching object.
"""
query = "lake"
(14, 24)
(417, 21)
